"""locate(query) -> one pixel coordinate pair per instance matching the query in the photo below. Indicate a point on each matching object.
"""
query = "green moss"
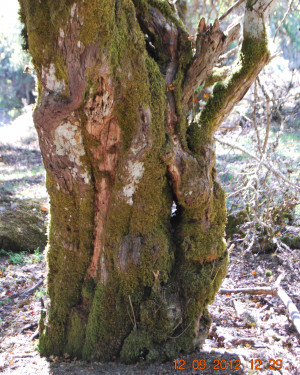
(98, 21)
(76, 333)
(23, 225)
(88, 289)
(253, 51)
(52, 340)
(127, 51)
(135, 347)
(43, 20)
(154, 320)
(217, 74)
(68, 256)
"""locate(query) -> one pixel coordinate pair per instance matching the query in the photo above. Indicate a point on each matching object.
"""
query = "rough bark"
(126, 277)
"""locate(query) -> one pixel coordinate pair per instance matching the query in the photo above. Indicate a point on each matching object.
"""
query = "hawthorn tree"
(136, 249)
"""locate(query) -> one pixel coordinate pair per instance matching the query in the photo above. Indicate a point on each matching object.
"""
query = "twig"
(254, 118)
(228, 54)
(228, 11)
(181, 333)
(264, 163)
(245, 251)
(284, 18)
(134, 321)
(35, 335)
(267, 96)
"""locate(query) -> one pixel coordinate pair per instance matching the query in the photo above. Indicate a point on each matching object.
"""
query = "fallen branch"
(258, 290)
(28, 291)
(35, 335)
(276, 291)
(29, 326)
(292, 309)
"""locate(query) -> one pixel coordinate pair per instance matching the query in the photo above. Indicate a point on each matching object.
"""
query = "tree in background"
(15, 87)
(136, 249)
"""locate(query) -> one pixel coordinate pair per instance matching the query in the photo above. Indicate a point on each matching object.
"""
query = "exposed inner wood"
(210, 44)
(102, 125)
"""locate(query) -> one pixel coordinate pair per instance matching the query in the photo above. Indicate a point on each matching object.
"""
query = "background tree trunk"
(126, 276)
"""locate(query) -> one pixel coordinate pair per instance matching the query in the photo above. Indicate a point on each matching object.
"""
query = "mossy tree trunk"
(126, 278)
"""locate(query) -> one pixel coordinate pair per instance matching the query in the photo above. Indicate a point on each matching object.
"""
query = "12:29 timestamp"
(200, 364)
(274, 364)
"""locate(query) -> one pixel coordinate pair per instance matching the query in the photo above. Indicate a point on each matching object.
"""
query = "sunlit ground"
(21, 170)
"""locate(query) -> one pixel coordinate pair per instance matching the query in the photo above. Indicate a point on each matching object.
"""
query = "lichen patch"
(73, 9)
(135, 173)
(51, 83)
(68, 142)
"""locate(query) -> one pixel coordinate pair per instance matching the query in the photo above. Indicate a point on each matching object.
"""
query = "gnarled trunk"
(136, 249)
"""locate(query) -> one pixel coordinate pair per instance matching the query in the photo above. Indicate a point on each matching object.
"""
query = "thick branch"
(211, 43)
(254, 55)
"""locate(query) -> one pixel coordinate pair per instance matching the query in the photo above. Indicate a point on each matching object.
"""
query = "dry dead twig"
(275, 291)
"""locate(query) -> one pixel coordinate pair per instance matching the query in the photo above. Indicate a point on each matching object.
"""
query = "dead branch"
(234, 88)
(254, 118)
(210, 44)
(29, 326)
(244, 341)
(267, 96)
(35, 335)
(264, 163)
(252, 291)
(292, 309)
(275, 291)
(28, 291)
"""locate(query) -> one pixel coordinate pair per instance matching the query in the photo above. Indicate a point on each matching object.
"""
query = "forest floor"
(250, 334)
(247, 331)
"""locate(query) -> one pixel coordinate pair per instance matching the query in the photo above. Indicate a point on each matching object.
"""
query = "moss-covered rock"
(23, 225)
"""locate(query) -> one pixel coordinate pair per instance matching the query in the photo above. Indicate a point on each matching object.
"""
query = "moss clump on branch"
(252, 53)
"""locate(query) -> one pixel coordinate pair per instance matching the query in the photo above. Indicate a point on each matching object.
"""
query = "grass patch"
(23, 257)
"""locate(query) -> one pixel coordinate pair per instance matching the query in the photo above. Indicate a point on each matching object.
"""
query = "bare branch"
(255, 291)
(228, 11)
(267, 96)
(228, 54)
(264, 163)
(284, 18)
